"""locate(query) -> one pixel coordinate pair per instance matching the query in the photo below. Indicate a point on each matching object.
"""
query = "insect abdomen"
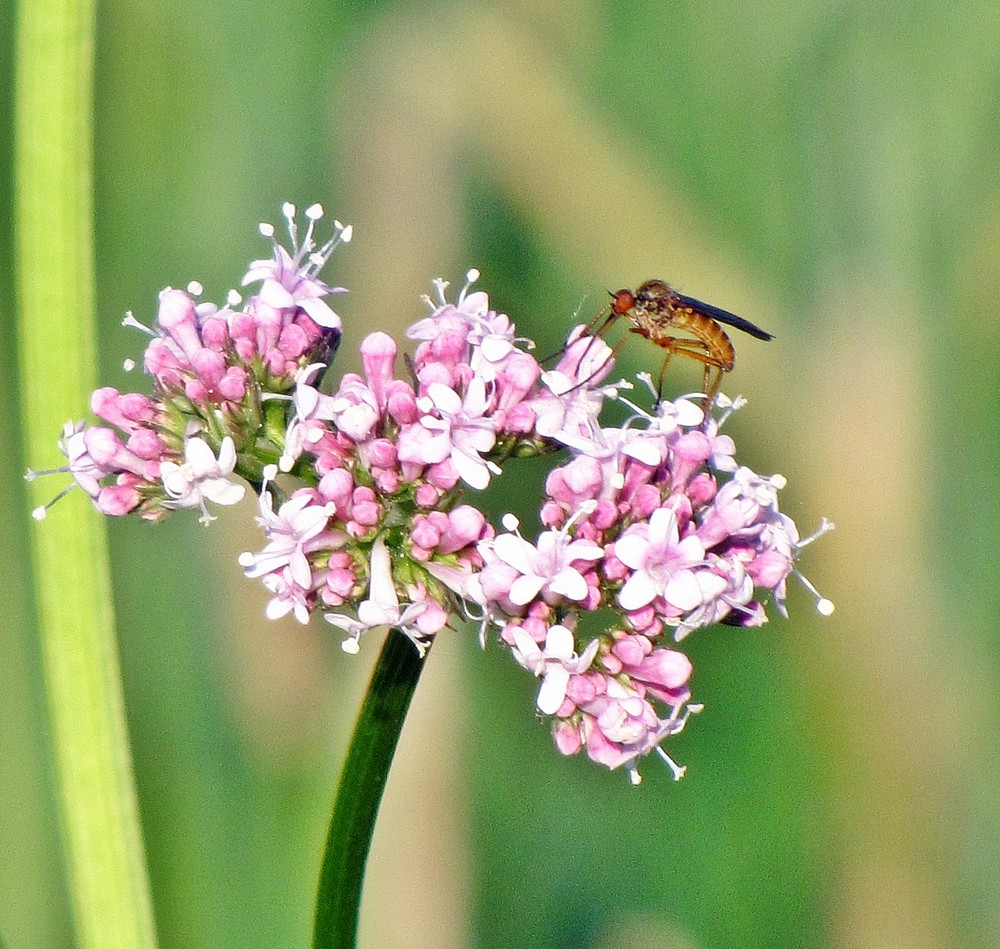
(708, 331)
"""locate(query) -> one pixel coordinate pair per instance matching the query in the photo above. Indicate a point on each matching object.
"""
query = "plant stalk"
(362, 782)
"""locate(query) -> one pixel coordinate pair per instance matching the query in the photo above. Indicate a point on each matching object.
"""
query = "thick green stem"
(55, 284)
(360, 792)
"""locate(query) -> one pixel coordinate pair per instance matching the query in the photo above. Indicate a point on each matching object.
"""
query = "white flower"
(381, 611)
(202, 477)
(291, 533)
(460, 430)
(665, 565)
(555, 664)
(547, 567)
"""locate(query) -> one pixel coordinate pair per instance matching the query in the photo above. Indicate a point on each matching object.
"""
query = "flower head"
(650, 530)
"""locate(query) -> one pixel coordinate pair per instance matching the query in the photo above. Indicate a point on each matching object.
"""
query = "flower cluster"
(649, 529)
(212, 368)
(379, 540)
(638, 524)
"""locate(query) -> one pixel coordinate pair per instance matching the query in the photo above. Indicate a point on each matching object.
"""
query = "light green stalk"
(55, 283)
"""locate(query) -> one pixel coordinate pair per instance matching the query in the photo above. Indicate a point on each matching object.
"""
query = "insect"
(656, 308)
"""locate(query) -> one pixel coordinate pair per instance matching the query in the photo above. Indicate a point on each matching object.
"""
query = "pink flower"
(455, 428)
(297, 530)
(649, 527)
(554, 567)
(663, 564)
(288, 283)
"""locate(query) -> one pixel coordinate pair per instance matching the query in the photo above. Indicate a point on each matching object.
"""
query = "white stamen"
(510, 522)
(131, 322)
(823, 606)
(267, 230)
(195, 288)
(41, 512)
(288, 209)
(33, 473)
(351, 647)
(647, 380)
(128, 365)
(233, 298)
(824, 526)
(314, 212)
(441, 286)
(678, 770)
(728, 407)
(471, 277)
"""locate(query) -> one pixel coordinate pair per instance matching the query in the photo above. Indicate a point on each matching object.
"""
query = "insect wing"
(723, 316)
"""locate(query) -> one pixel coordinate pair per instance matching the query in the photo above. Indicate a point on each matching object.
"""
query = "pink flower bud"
(117, 500)
(378, 356)
(177, 316)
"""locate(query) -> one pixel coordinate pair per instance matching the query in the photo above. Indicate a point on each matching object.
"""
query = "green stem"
(361, 784)
(56, 333)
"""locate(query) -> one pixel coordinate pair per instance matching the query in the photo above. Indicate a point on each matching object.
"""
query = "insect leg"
(697, 350)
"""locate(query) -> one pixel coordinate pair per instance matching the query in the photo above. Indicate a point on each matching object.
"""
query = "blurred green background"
(828, 170)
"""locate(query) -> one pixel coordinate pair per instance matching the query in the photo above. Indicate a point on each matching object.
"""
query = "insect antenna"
(606, 317)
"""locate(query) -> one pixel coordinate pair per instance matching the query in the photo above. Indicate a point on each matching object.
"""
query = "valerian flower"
(202, 477)
(649, 529)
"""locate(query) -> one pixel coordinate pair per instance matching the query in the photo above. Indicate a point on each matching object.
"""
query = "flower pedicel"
(649, 529)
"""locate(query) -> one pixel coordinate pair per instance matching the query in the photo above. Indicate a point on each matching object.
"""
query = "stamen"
(728, 407)
(195, 288)
(307, 241)
(471, 277)
(678, 770)
(41, 512)
(318, 259)
(288, 209)
(647, 379)
(31, 473)
(441, 286)
(351, 645)
(131, 322)
(823, 606)
(824, 527)
(585, 509)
